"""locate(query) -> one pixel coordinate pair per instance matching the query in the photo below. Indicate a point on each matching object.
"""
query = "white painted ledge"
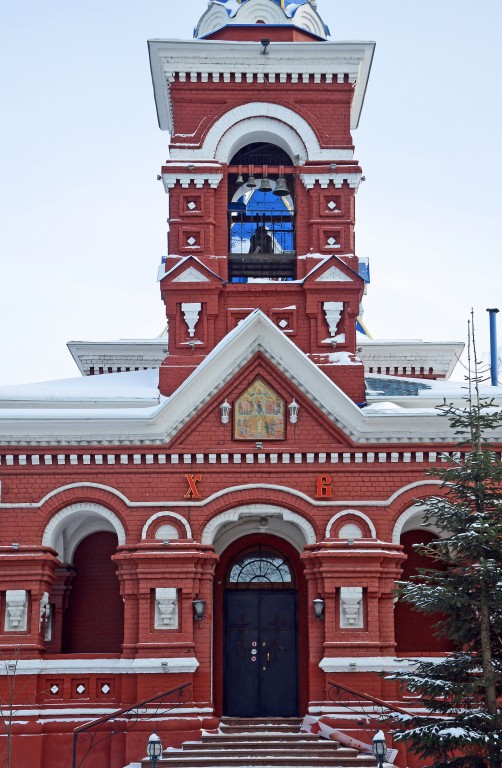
(373, 663)
(103, 666)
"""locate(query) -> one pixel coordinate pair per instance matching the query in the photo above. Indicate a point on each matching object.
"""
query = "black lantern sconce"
(199, 608)
(318, 604)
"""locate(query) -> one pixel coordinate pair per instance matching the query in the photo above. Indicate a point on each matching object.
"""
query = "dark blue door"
(260, 654)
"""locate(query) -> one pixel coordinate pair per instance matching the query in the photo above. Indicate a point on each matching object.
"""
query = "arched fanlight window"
(260, 568)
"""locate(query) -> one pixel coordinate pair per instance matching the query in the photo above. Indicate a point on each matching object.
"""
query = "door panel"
(261, 658)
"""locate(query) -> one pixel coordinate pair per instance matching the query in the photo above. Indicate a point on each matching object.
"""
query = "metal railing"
(124, 720)
(365, 707)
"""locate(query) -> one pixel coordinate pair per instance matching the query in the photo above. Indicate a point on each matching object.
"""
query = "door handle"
(268, 657)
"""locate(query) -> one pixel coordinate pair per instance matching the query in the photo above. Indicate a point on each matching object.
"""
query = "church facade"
(227, 508)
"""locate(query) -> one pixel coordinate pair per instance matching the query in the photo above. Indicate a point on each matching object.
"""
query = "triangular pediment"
(256, 347)
(191, 275)
(189, 270)
(257, 400)
(333, 270)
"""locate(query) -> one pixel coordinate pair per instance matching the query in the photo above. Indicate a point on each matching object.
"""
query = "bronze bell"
(239, 179)
(251, 182)
(265, 185)
(281, 187)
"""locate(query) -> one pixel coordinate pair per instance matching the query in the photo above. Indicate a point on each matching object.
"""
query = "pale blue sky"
(83, 219)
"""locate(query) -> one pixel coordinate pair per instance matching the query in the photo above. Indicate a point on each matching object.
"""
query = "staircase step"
(263, 743)
(270, 750)
(258, 736)
(270, 761)
(260, 728)
(215, 742)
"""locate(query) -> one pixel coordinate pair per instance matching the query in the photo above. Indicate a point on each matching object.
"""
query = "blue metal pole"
(494, 360)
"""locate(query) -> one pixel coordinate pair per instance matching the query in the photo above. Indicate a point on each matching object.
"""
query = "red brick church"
(226, 507)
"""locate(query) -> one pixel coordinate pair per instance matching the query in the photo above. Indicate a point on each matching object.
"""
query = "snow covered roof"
(409, 357)
(125, 408)
(121, 355)
(133, 389)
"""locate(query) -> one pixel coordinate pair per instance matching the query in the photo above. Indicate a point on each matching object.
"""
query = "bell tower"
(262, 179)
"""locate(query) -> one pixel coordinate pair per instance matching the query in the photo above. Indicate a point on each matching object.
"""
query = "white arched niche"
(413, 520)
(229, 526)
(73, 524)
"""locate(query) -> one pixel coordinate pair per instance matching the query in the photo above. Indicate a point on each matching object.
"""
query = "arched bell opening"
(414, 631)
(259, 649)
(261, 213)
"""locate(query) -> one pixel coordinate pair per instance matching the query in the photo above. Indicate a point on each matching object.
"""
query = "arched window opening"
(415, 630)
(94, 619)
(261, 214)
(260, 568)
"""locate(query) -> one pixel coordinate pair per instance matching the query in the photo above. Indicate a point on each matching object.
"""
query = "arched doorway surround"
(260, 597)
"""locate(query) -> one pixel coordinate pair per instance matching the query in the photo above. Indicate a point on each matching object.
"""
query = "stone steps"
(264, 743)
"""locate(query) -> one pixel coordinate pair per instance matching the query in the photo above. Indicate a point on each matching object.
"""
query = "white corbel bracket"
(16, 610)
(166, 608)
(191, 313)
(333, 311)
(351, 608)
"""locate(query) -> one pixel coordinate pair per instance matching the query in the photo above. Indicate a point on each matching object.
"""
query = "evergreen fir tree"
(463, 692)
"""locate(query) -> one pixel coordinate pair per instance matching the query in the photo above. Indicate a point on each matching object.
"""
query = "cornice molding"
(212, 60)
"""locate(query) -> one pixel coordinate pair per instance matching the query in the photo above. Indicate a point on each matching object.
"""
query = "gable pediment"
(191, 275)
(189, 270)
(257, 400)
(334, 270)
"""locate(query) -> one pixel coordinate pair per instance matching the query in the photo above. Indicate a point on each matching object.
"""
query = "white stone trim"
(352, 513)
(185, 179)
(351, 608)
(16, 610)
(166, 608)
(238, 513)
(174, 515)
(373, 663)
(311, 62)
(191, 313)
(416, 511)
(219, 494)
(57, 524)
(190, 275)
(283, 126)
(261, 129)
(141, 459)
(325, 179)
(102, 666)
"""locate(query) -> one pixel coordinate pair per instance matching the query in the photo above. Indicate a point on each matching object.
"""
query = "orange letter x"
(193, 492)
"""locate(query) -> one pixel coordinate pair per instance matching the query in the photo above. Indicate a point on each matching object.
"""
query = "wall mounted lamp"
(225, 409)
(266, 45)
(293, 412)
(154, 749)
(318, 604)
(199, 608)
